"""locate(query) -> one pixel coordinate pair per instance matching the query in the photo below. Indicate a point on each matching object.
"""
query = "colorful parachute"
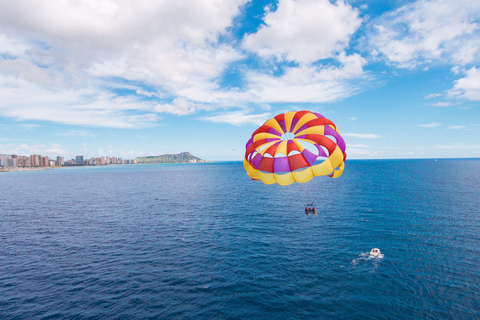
(295, 146)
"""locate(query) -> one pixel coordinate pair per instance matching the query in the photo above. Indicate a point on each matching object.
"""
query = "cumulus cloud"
(180, 106)
(58, 50)
(307, 83)
(433, 95)
(55, 149)
(121, 63)
(12, 47)
(467, 87)
(94, 30)
(440, 104)
(238, 118)
(85, 106)
(427, 30)
(304, 30)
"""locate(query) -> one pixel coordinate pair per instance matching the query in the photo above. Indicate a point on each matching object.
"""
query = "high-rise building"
(35, 160)
(79, 160)
(23, 161)
(60, 161)
(12, 161)
(4, 160)
(20, 161)
(9, 162)
(44, 162)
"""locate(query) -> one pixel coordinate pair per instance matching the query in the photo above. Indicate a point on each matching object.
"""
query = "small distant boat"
(375, 252)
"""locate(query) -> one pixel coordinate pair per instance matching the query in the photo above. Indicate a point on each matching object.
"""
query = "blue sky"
(400, 79)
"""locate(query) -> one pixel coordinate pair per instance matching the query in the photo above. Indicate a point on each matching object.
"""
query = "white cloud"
(150, 94)
(457, 127)
(28, 149)
(117, 63)
(304, 30)
(427, 30)
(467, 87)
(433, 95)
(357, 146)
(66, 54)
(362, 135)
(180, 106)
(239, 118)
(12, 46)
(307, 83)
(85, 106)
(430, 125)
(440, 104)
(456, 70)
(458, 146)
(104, 27)
(56, 149)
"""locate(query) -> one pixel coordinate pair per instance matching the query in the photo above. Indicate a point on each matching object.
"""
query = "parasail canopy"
(295, 147)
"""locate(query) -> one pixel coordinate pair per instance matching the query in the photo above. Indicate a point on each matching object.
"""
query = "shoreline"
(16, 169)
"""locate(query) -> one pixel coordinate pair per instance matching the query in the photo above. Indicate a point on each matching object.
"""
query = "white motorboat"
(375, 252)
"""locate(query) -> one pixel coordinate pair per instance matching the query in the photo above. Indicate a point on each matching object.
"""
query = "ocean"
(203, 241)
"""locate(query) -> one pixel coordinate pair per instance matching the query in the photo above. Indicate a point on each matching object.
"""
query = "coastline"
(23, 169)
(16, 169)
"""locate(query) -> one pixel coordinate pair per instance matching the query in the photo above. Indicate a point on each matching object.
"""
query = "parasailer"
(310, 208)
(295, 147)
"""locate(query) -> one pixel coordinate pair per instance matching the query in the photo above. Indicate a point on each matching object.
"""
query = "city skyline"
(400, 79)
(36, 160)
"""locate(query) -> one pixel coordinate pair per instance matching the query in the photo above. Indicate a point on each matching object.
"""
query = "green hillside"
(183, 157)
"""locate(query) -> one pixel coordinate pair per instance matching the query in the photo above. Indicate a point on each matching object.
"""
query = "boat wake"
(374, 257)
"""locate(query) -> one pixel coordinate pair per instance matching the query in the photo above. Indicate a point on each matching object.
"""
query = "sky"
(129, 78)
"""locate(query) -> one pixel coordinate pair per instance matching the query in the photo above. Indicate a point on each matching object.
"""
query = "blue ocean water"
(203, 241)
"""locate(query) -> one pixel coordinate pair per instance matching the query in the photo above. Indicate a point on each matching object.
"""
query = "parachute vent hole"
(287, 136)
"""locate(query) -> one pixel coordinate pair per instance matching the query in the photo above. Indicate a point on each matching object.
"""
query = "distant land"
(183, 157)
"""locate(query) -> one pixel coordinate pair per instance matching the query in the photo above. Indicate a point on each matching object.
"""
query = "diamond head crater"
(183, 157)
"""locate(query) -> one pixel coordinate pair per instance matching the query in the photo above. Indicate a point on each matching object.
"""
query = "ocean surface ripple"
(204, 241)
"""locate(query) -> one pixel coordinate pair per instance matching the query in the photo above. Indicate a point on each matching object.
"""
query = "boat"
(375, 252)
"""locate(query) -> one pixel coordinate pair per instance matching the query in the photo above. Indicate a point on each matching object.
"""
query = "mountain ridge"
(182, 157)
